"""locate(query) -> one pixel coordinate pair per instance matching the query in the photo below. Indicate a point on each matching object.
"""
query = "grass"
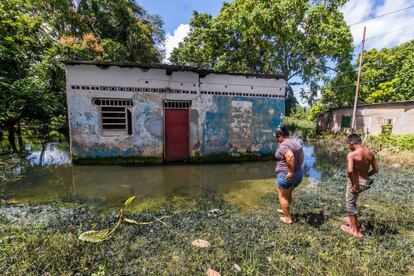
(254, 239)
(395, 150)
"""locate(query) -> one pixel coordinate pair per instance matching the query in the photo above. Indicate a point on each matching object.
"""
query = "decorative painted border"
(169, 90)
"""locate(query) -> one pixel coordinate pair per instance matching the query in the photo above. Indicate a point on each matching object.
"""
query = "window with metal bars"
(177, 104)
(116, 116)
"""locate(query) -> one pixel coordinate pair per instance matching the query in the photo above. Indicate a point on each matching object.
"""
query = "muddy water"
(240, 183)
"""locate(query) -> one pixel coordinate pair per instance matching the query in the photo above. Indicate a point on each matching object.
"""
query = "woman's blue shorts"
(282, 181)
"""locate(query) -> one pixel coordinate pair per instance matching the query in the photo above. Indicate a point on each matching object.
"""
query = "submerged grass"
(254, 240)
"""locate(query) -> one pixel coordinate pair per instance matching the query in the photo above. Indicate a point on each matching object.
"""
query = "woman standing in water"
(289, 158)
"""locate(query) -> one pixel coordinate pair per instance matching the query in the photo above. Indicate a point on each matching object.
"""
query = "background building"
(169, 113)
(399, 116)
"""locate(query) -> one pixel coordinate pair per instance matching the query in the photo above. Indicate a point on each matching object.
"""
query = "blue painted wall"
(264, 119)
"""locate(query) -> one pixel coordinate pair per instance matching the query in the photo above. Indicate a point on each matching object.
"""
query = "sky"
(385, 31)
(177, 14)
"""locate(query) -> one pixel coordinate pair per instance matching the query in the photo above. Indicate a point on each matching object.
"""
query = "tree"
(37, 36)
(387, 76)
(298, 38)
(20, 46)
(120, 21)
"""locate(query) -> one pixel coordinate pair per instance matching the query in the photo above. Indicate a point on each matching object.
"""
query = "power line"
(377, 80)
(396, 30)
(370, 81)
(382, 15)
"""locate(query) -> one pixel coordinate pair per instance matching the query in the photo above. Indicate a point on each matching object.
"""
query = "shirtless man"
(360, 160)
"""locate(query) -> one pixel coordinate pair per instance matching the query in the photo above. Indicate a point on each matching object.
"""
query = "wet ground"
(57, 179)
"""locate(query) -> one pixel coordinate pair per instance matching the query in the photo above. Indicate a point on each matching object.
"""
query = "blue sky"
(386, 31)
(176, 12)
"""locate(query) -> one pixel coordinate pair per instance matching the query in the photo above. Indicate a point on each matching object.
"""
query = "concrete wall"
(370, 118)
(240, 120)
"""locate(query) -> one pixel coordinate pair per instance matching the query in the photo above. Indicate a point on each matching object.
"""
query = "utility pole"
(361, 57)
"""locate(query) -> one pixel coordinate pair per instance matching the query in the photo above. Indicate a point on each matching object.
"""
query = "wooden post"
(361, 57)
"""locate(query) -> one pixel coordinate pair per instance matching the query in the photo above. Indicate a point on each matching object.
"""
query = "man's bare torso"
(362, 160)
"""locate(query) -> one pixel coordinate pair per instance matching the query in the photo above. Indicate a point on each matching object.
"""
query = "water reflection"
(115, 183)
(54, 154)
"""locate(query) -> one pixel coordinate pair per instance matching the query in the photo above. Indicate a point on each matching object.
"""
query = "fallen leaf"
(200, 243)
(95, 236)
(131, 221)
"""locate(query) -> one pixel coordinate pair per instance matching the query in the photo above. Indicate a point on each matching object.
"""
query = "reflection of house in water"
(167, 112)
(398, 116)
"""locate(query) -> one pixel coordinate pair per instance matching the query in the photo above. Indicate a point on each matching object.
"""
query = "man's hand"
(354, 188)
(289, 176)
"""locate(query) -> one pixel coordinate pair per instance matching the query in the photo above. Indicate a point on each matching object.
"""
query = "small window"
(346, 121)
(169, 104)
(116, 116)
(389, 121)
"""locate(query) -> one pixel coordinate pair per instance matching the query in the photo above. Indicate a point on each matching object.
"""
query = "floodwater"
(58, 179)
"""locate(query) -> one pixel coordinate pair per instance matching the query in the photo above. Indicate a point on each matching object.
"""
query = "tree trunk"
(19, 137)
(11, 137)
(42, 153)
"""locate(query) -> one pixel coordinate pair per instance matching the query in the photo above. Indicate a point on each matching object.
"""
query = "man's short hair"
(354, 139)
(282, 131)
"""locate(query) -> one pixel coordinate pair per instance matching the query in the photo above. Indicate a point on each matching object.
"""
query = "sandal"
(348, 222)
(348, 229)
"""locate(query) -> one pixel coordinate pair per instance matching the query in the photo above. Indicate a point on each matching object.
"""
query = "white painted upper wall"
(85, 74)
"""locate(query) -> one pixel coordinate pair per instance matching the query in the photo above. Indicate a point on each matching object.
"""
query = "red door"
(176, 134)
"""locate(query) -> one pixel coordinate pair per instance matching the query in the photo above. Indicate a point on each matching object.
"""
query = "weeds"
(257, 242)
(243, 240)
(102, 235)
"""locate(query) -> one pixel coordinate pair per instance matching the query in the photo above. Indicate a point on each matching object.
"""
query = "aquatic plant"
(102, 235)
(246, 242)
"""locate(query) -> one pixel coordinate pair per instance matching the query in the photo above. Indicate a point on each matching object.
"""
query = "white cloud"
(380, 31)
(172, 40)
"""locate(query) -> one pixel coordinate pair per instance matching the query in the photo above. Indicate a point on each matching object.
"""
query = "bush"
(394, 142)
(305, 127)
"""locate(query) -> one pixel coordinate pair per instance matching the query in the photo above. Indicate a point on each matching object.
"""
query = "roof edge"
(168, 67)
(374, 104)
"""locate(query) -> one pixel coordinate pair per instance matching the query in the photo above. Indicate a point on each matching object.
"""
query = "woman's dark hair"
(282, 131)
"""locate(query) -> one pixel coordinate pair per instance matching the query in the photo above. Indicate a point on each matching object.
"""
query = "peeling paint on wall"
(218, 124)
(241, 136)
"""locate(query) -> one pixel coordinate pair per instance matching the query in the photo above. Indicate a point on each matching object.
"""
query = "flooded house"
(127, 112)
(398, 117)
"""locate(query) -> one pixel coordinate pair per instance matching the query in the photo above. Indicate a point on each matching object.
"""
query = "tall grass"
(256, 241)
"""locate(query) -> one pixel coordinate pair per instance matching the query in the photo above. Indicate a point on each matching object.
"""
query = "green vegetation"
(36, 37)
(102, 235)
(243, 38)
(387, 76)
(301, 120)
(394, 142)
(395, 150)
(135, 160)
(256, 241)
(305, 127)
(231, 158)
(404, 142)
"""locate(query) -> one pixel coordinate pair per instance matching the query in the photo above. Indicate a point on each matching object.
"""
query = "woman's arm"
(290, 161)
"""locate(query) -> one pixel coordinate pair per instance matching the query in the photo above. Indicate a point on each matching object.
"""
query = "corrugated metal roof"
(167, 67)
